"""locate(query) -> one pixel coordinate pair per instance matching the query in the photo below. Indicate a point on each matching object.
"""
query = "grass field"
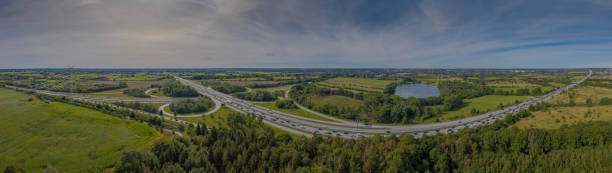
(556, 117)
(361, 82)
(340, 101)
(69, 138)
(482, 104)
(512, 84)
(298, 112)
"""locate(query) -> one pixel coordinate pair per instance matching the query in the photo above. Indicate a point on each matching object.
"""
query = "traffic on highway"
(355, 130)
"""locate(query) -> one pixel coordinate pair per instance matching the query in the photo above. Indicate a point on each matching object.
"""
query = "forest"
(248, 146)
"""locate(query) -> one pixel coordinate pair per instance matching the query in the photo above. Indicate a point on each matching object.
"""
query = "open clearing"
(70, 138)
(340, 101)
(482, 104)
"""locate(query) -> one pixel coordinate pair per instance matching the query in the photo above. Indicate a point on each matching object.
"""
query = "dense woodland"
(248, 146)
(201, 104)
(174, 88)
(259, 95)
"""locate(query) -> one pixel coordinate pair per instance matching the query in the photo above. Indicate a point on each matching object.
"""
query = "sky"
(305, 33)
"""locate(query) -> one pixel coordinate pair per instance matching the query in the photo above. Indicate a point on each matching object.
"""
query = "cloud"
(292, 33)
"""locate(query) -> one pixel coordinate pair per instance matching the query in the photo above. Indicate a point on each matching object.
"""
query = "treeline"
(224, 87)
(136, 92)
(174, 88)
(257, 95)
(201, 104)
(248, 146)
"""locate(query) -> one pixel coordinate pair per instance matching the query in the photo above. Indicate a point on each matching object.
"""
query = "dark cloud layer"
(307, 33)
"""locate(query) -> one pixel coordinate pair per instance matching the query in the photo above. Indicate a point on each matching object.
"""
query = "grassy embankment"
(36, 134)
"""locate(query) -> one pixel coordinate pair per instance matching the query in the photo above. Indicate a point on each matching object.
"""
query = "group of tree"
(174, 88)
(201, 104)
(248, 146)
(257, 95)
(136, 92)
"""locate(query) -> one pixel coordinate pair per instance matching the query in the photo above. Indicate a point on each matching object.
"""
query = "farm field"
(69, 138)
(298, 112)
(340, 101)
(555, 117)
(482, 104)
(361, 82)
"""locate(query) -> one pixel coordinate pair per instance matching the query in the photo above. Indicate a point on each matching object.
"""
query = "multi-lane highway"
(354, 130)
(307, 126)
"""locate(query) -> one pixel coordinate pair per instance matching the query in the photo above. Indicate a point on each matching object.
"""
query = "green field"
(368, 83)
(340, 101)
(298, 112)
(482, 104)
(69, 138)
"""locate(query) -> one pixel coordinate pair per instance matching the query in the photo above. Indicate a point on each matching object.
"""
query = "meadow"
(36, 134)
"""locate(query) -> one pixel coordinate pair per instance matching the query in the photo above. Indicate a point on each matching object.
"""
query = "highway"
(354, 130)
(307, 126)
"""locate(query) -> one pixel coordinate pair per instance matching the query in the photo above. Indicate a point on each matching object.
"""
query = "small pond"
(417, 90)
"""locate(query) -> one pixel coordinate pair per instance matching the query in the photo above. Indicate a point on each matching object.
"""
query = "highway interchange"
(355, 130)
(306, 126)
